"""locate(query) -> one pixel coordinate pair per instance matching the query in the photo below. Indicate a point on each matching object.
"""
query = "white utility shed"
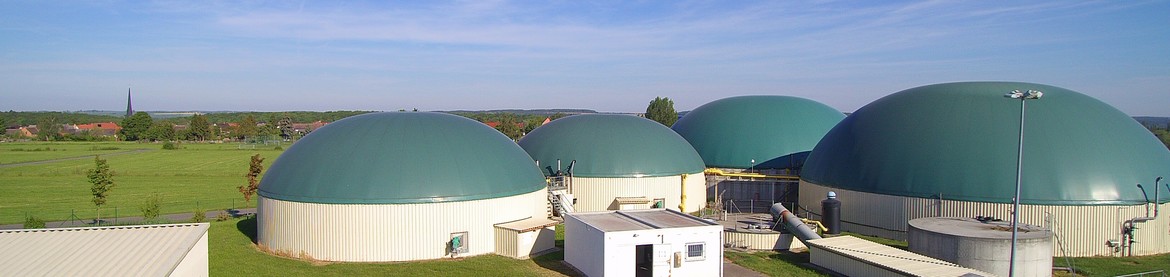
(656, 242)
(147, 250)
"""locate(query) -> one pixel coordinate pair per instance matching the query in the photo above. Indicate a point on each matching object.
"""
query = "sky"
(610, 56)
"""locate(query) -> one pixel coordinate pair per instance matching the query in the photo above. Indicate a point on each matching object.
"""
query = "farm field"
(52, 184)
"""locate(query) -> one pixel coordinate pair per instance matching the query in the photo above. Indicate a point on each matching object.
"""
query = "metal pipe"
(682, 204)
(792, 222)
(1147, 197)
(1156, 182)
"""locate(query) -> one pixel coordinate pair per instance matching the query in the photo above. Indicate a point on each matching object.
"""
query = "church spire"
(129, 108)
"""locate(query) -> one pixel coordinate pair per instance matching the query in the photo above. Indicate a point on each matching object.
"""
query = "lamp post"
(1024, 96)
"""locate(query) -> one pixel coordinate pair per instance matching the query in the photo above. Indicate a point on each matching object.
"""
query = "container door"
(662, 260)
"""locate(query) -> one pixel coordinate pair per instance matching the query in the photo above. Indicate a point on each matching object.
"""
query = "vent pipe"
(793, 223)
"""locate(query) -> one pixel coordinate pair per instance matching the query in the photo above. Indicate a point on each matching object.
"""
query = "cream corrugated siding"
(852, 256)
(597, 194)
(391, 232)
(507, 242)
(523, 238)
(1082, 230)
(148, 250)
(761, 241)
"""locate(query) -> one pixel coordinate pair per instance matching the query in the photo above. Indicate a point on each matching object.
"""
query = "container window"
(695, 251)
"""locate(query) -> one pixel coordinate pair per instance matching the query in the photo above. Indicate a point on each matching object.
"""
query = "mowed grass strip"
(232, 253)
(195, 176)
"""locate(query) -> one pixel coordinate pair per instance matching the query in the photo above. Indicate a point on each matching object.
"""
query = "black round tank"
(831, 214)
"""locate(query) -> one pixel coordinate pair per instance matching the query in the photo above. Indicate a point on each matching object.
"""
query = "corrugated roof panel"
(887, 257)
(148, 250)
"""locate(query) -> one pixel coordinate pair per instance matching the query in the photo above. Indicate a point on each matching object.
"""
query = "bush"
(199, 216)
(169, 146)
(151, 208)
(32, 222)
(223, 216)
(278, 148)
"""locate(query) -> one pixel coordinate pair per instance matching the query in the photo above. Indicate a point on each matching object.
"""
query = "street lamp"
(1024, 96)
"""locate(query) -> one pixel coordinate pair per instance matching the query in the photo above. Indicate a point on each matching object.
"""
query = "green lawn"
(1110, 266)
(196, 175)
(774, 263)
(232, 253)
(28, 152)
(784, 263)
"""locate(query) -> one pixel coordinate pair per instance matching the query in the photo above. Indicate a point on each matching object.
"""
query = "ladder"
(558, 198)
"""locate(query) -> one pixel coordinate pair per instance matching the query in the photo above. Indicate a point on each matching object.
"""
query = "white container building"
(655, 242)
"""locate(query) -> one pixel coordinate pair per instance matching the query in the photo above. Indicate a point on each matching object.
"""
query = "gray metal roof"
(146, 250)
(630, 220)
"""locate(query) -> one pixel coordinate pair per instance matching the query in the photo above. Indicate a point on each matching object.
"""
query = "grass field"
(53, 186)
(232, 253)
(48, 180)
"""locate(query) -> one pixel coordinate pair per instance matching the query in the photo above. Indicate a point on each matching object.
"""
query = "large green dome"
(608, 145)
(958, 141)
(775, 131)
(401, 157)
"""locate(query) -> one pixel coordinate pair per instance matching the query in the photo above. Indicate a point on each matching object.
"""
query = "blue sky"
(608, 56)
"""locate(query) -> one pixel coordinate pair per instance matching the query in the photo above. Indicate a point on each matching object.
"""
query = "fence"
(169, 212)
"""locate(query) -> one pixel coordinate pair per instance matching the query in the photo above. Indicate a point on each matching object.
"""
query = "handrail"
(720, 172)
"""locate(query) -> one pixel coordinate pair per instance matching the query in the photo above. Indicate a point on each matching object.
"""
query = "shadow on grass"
(248, 228)
(555, 261)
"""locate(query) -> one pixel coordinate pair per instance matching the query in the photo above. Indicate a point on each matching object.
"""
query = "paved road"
(173, 218)
(72, 158)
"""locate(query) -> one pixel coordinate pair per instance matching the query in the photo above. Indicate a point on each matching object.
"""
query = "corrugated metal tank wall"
(597, 194)
(1083, 230)
(395, 232)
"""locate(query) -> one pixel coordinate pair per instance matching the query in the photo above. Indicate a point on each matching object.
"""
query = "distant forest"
(513, 123)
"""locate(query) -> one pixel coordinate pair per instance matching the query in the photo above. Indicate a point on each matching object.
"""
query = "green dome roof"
(775, 131)
(399, 158)
(959, 140)
(607, 145)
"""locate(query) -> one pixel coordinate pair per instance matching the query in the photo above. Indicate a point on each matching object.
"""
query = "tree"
(253, 173)
(160, 131)
(662, 111)
(508, 126)
(49, 128)
(102, 181)
(247, 127)
(135, 126)
(199, 129)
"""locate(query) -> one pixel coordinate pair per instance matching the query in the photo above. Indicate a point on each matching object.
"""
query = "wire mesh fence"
(167, 212)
